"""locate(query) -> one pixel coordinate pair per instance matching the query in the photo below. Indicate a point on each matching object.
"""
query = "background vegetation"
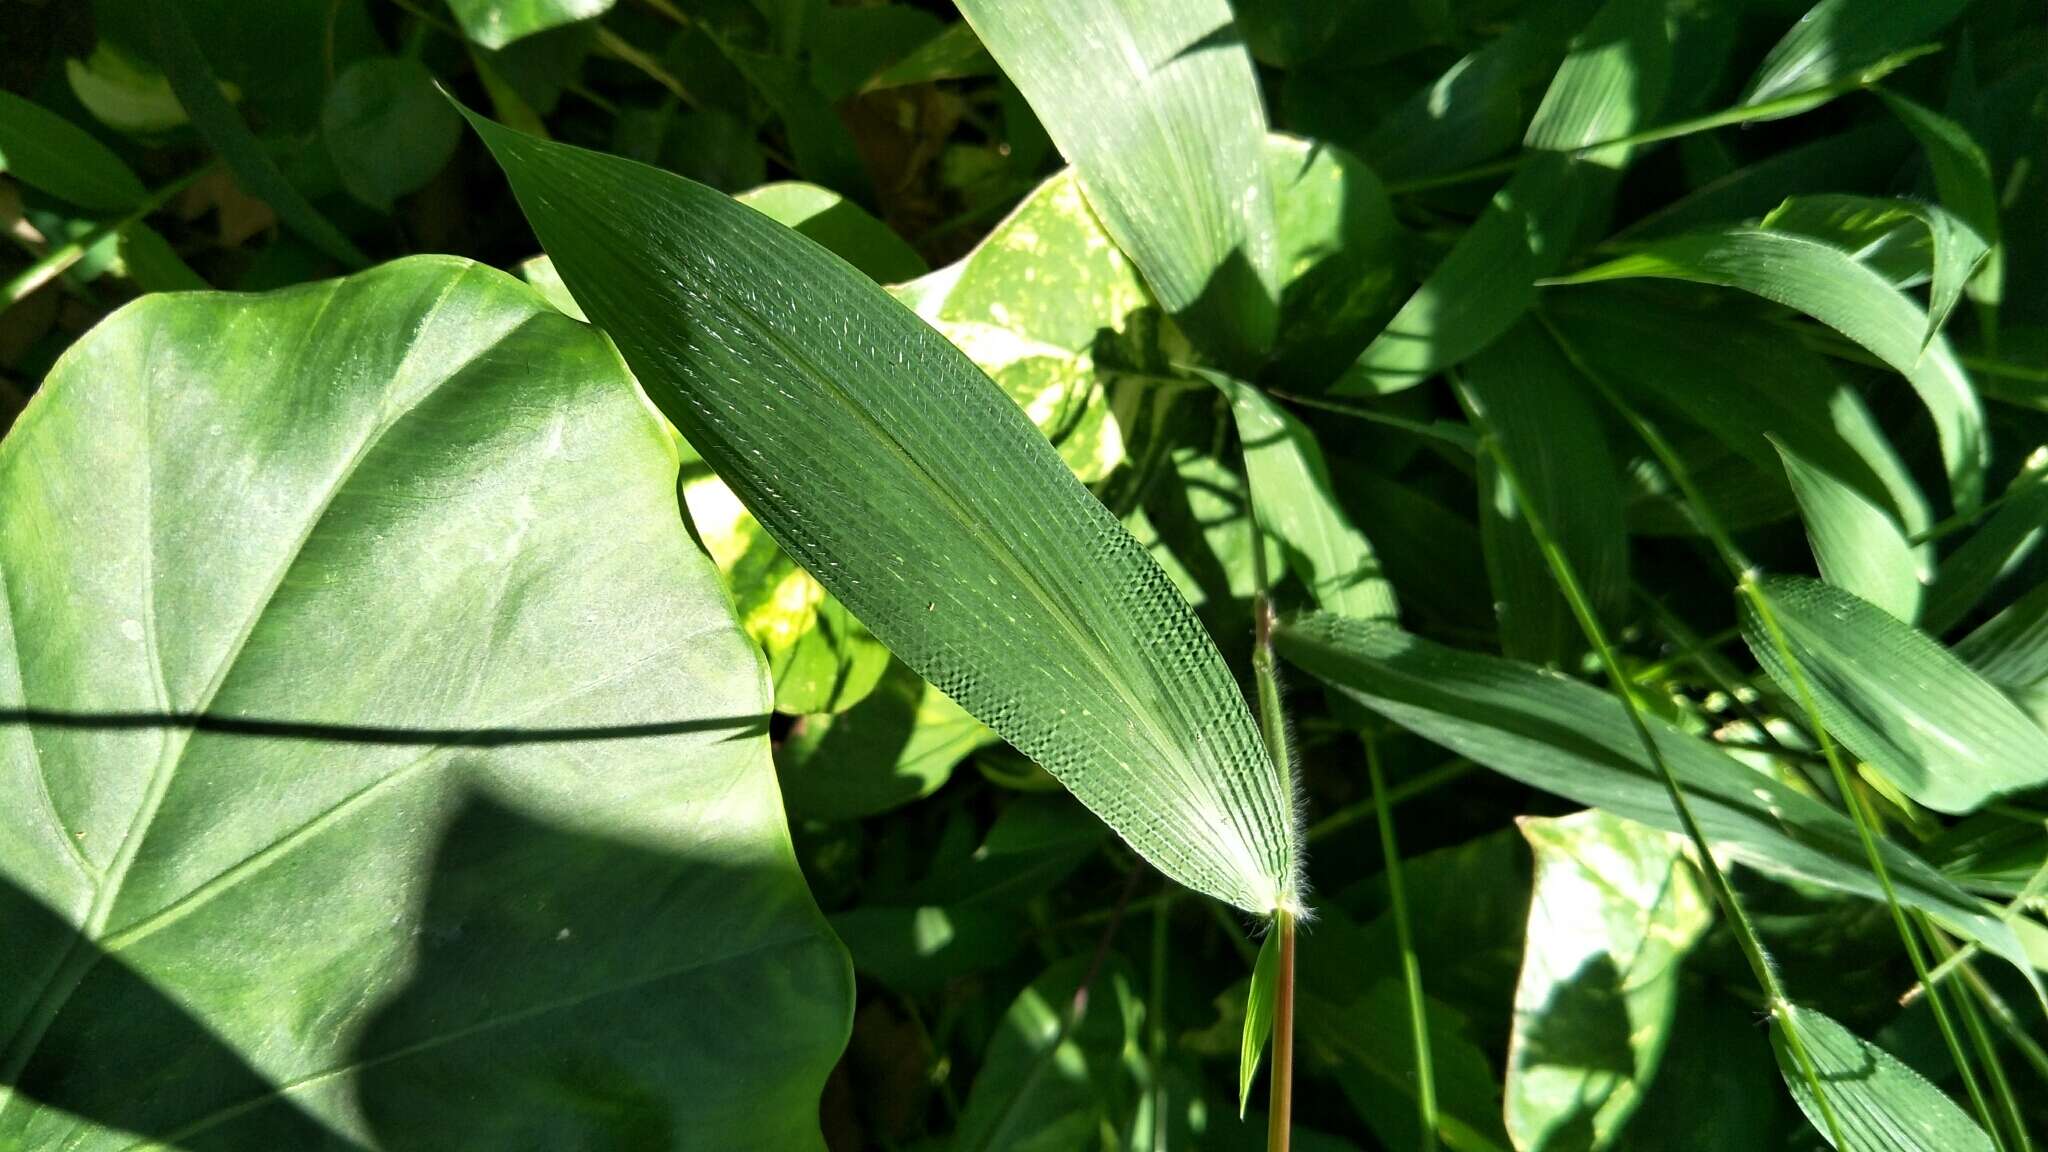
(1627, 398)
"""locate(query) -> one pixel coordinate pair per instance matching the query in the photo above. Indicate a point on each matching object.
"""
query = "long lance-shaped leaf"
(1881, 1104)
(1574, 740)
(1857, 544)
(1837, 38)
(1829, 285)
(916, 491)
(1157, 107)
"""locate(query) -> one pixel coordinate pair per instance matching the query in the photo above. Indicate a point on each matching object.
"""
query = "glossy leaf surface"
(427, 691)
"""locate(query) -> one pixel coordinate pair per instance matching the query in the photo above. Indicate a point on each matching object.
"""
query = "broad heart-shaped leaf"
(1292, 501)
(1615, 909)
(51, 154)
(1829, 285)
(1157, 107)
(1898, 699)
(1570, 738)
(496, 23)
(902, 478)
(1858, 547)
(394, 772)
(1880, 1104)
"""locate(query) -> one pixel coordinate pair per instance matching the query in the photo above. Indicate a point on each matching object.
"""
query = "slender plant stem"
(1439, 431)
(1750, 592)
(1406, 790)
(1155, 1021)
(1746, 938)
(1987, 1050)
(1279, 1114)
(54, 263)
(1404, 935)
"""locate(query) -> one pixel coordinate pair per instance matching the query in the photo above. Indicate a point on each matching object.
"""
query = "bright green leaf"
(1858, 547)
(1963, 180)
(123, 93)
(882, 460)
(841, 226)
(1901, 238)
(1898, 699)
(1258, 1019)
(1836, 39)
(443, 810)
(1158, 109)
(898, 745)
(1339, 259)
(1048, 1078)
(1616, 907)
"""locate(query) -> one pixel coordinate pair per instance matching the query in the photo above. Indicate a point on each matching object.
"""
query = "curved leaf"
(1829, 285)
(442, 809)
(1898, 699)
(1157, 108)
(496, 23)
(887, 465)
(1858, 547)
(1572, 739)
(1886, 234)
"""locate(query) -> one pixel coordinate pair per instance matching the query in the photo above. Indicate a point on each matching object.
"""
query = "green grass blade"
(1880, 1103)
(1858, 547)
(1295, 504)
(921, 496)
(1829, 285)
(1838, 38)
(1574, 740)
(1158, 109)
(1899, 700)
(51, 154)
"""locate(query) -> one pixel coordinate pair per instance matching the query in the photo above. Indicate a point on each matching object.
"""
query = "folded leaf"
(1963, 180)
(1157, 108)
(1829, 285)
(1258, 1019)
(1880, 1104)
(1898, 699)
(391, 751)
(1572, 739)
(1894, 237)
(1858, 547)
(914, 490)
(1616, 907)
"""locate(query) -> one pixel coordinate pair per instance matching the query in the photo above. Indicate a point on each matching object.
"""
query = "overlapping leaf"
(1829, 285)
(1158, 109)
(1616, 907)
(887, 465)
(1858, 547)
(1572, 739)
(1879, 1103)
(394, 764)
